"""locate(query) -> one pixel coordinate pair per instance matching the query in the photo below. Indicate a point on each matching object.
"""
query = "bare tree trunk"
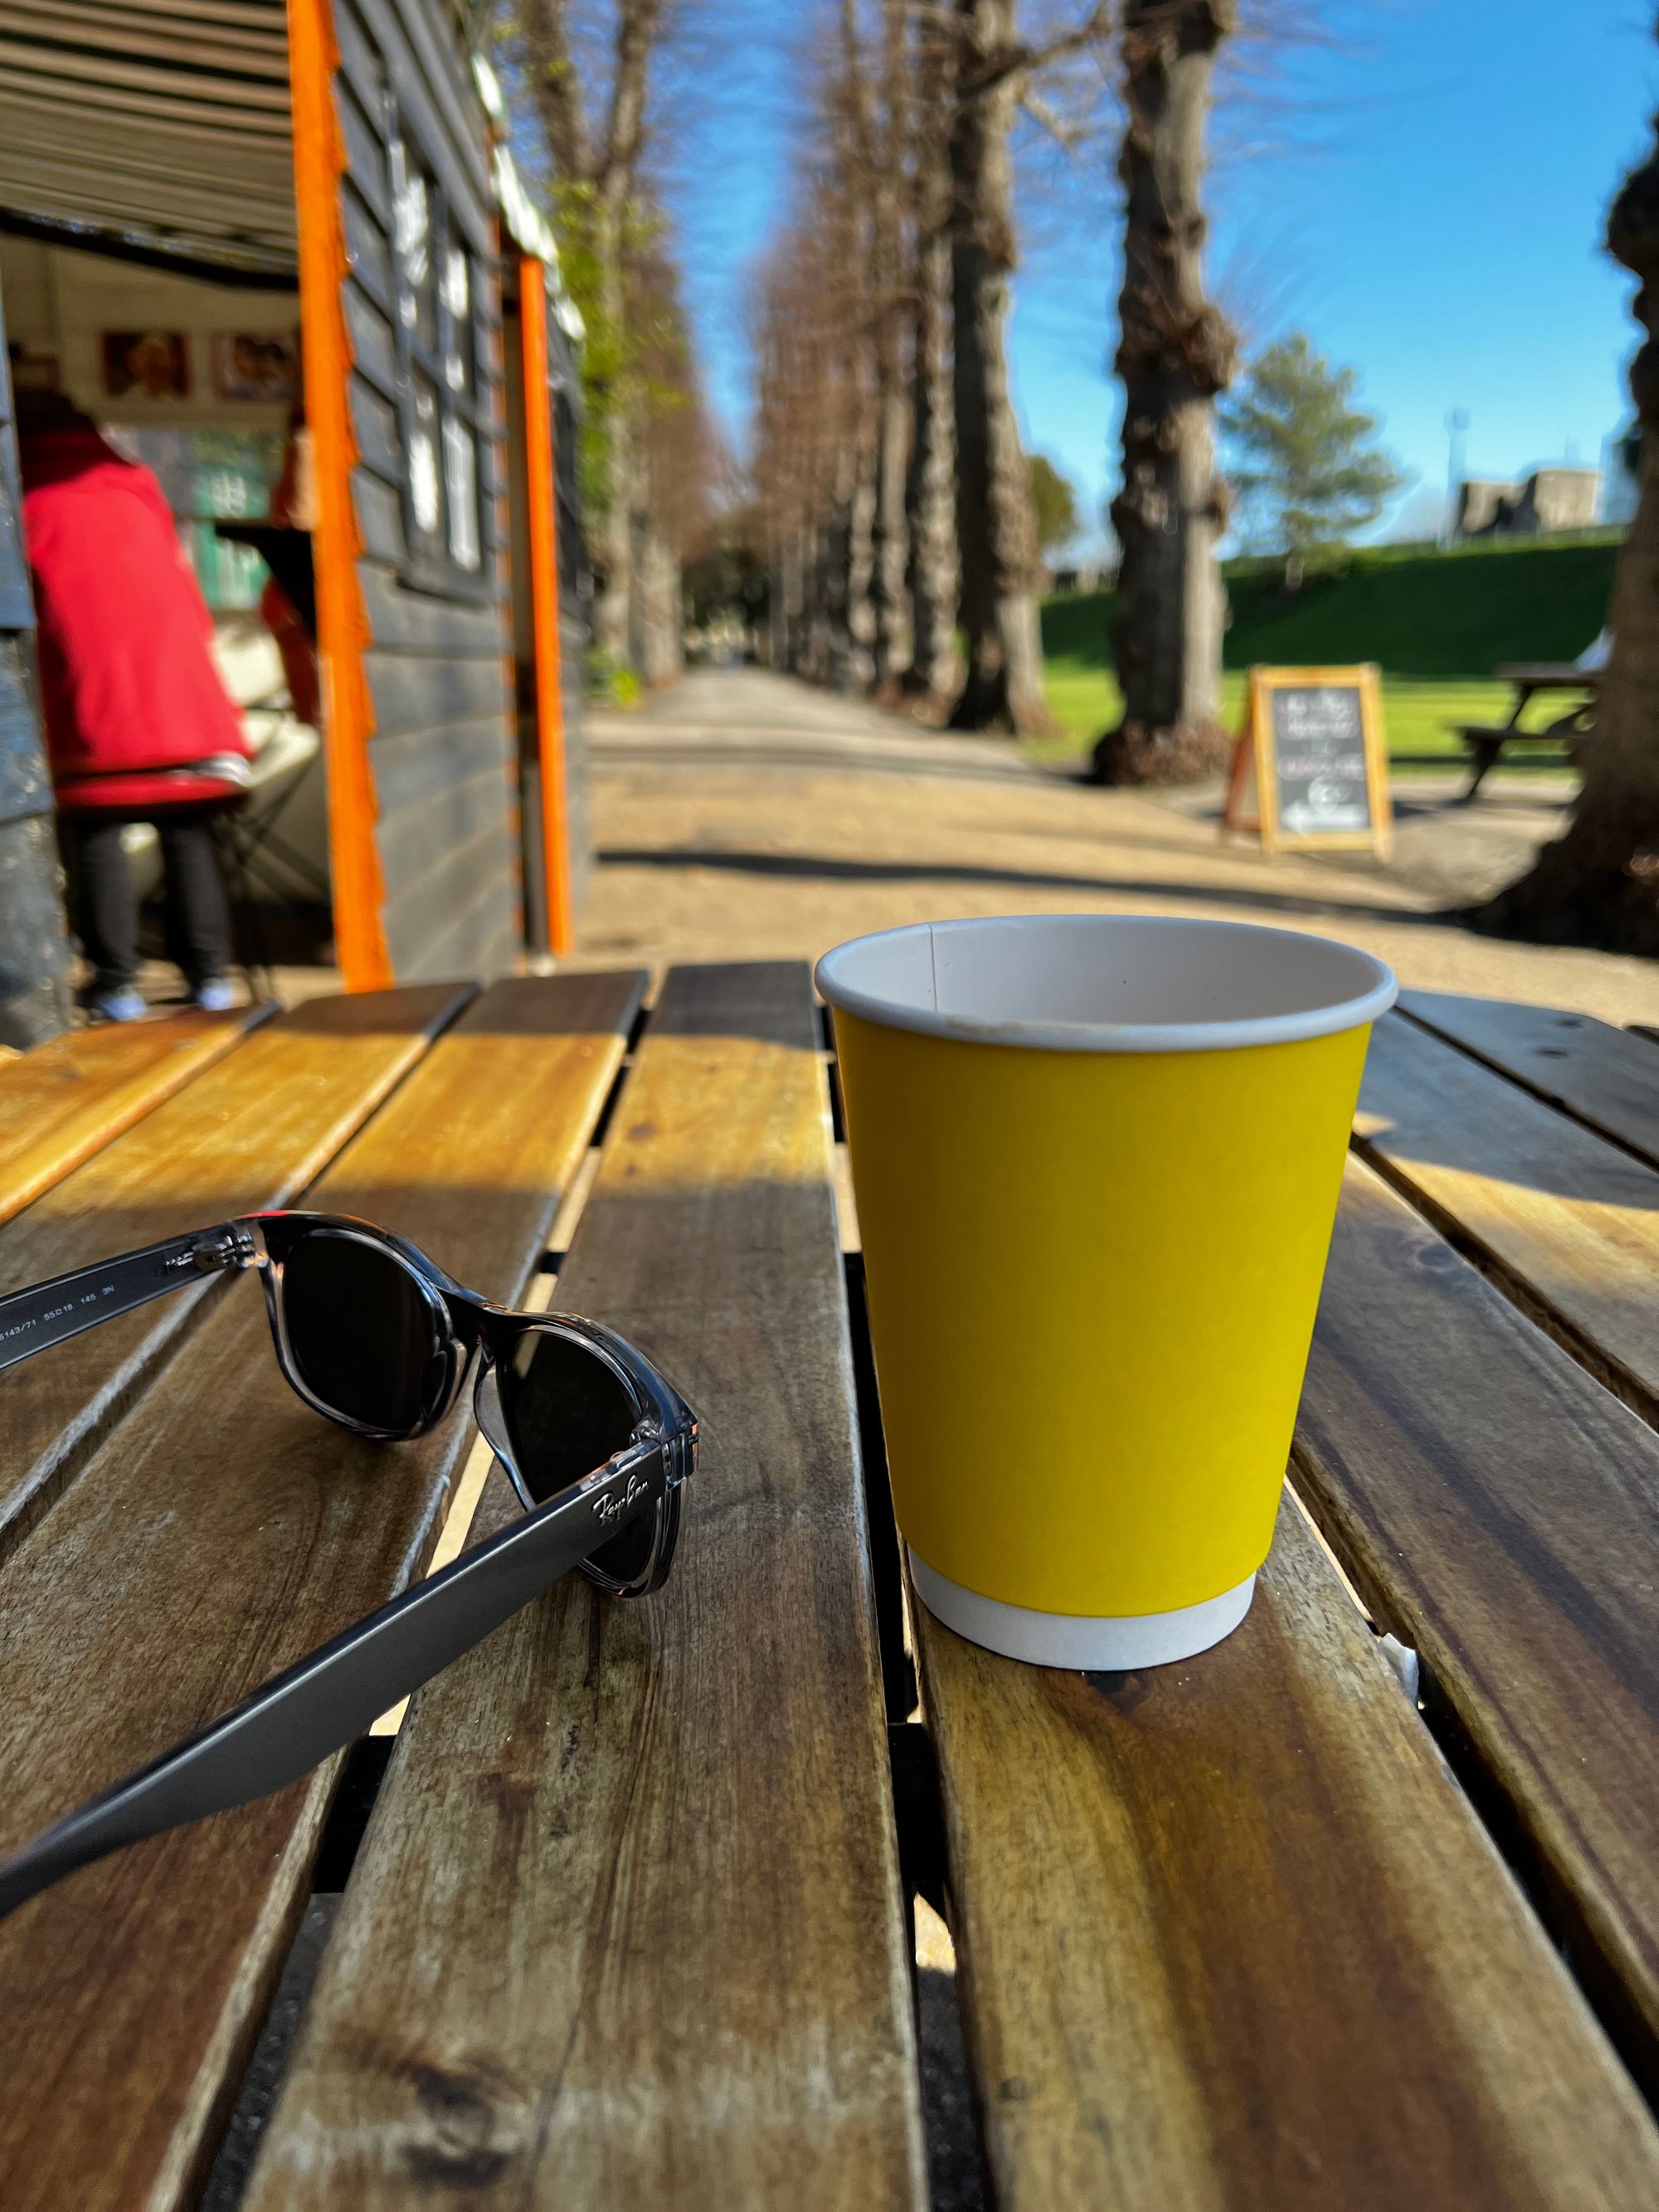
(890, 531)
(996, 537)
(890, 534)
(613, 597)
(1175, 353)
(930, 486)
(638, 24)
(857, 662)
(1600, 884)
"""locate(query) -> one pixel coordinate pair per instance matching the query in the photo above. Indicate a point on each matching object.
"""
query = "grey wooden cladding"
(625, 1932)
(414, 695)
(434, 665)
(408, 769)
(373, 344)
(375, 420)
(33, 954)
(368, 253)
(402, 620)
(379, 516)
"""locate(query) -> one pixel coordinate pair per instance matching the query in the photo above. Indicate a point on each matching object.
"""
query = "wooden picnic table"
(1485, 741)
(1359, 1909)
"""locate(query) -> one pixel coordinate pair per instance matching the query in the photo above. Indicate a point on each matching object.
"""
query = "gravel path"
(741, 815)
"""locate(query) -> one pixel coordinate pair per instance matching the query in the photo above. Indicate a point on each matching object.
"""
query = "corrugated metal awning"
(160, 124)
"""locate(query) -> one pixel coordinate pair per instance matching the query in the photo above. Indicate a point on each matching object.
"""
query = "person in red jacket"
(138, 726)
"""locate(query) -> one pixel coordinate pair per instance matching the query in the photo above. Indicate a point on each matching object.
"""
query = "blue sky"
(1424, 197)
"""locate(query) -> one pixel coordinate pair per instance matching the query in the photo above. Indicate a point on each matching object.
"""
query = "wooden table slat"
(250, 1133)
(1499, 1511)
(626, 1929)
(1572, 1220)
(60, 1102)
(1604, 1076)
(1228, 1937)
(221, 1532)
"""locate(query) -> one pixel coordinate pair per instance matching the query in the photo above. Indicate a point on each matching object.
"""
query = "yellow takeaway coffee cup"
(1097, 1160)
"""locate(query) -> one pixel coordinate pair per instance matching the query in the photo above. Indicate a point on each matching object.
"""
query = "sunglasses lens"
(359, 1331)
(565, 1411)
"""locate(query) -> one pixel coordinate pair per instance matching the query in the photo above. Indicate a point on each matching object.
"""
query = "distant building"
(1548, 499)
(1085, 577)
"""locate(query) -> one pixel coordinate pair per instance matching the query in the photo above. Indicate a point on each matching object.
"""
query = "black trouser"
(107, 905)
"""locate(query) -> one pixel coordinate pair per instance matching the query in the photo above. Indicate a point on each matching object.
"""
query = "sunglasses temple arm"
(331, 1698)
(46, 1313)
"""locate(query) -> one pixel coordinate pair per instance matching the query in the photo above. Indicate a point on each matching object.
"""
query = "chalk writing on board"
(1319, 749)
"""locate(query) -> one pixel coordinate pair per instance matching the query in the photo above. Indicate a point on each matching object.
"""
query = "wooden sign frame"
(1254, 750)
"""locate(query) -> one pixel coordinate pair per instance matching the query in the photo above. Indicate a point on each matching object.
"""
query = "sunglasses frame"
(324, 1701)
(466, 1328)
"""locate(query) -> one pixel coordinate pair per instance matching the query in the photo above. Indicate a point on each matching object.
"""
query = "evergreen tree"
(1303, 460)
(1054, 505)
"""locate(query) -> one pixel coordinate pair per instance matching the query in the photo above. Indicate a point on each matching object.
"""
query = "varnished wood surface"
(251, 1132)
(1566, 1216)
(1604, 1076)
(626, 1929)
(1500, 1512)
(1229, 1936)
(61, 1102)
(222, 1531)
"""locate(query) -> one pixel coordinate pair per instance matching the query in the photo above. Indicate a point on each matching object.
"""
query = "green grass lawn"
(1437, 622)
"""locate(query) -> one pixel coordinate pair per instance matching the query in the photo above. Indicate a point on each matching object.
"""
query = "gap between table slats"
(1567, 1220)
(1229, 1935)
(1608, 1078)
(62, 1101)
(219, 1533)
(249, 1133)
(626, 1928)
(1498, 1511)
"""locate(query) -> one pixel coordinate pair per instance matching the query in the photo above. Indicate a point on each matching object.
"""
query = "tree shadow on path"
(825, 867)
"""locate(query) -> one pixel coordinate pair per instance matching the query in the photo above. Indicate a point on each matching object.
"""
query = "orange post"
(343, 630)
(543, 513)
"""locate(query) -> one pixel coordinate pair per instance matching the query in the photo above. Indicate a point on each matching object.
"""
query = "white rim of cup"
(1374, 989)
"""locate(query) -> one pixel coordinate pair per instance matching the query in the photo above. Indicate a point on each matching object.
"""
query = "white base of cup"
(1087, 1643)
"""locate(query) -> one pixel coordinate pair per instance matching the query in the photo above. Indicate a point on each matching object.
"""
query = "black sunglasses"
(372, 1334)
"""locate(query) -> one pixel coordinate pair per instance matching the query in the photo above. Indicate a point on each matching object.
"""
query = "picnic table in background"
(1358, 1909)
(1485, 741)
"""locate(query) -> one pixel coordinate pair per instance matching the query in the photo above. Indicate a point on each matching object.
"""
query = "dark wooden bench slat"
(250, 1133)
(629, 1904)
(1570, 1218)
(61, 1102)
(222, 1532)
(1229, 1935)
(1499, 1511)
(1604, 1076)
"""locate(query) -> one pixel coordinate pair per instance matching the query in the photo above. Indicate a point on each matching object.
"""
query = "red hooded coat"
(131, 694)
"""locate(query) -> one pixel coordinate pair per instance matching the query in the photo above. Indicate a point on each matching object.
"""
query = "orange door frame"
(542, 510)
(343, 630)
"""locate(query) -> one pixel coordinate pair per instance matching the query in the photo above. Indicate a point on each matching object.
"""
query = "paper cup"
(1097, 1160)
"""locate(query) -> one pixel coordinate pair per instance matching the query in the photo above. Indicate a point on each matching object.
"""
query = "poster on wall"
(153, 364)
(261, 365)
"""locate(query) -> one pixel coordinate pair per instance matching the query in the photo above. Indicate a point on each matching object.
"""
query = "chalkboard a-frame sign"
(1311, 768)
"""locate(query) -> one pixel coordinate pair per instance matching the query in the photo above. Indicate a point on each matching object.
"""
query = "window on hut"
(437, 336)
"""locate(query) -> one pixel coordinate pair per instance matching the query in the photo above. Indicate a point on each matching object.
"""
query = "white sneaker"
(215, 996)
(123, 1004)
